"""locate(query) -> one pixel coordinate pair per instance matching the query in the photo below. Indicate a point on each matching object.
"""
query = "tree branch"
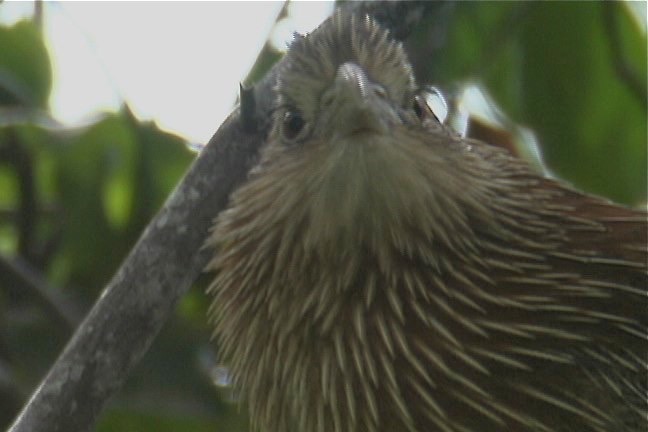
(138, 300)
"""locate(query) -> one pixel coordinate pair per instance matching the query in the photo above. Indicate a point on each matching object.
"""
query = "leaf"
(550, 67)
(111, 179)
(25, 69)
(592, 128)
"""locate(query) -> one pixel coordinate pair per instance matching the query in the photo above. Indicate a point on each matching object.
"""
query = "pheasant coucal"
(377, 272)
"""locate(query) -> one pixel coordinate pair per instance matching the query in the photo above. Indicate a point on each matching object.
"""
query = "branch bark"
(168, 257)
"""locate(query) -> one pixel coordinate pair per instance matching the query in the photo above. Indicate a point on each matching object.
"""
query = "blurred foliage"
(74, 200)
(551, 66)
(25, 72)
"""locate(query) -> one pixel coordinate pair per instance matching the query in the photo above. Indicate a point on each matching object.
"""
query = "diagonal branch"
(143, 293)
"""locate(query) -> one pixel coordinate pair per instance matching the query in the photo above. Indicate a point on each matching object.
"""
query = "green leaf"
(549, 66)
(111, 178)
(592, 128)
(90, 164)
(25, 69)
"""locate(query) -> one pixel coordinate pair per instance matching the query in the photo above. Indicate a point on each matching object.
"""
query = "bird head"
(350, 149)
(345, 78)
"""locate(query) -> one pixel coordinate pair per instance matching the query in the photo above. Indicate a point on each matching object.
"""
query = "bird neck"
(378, 191)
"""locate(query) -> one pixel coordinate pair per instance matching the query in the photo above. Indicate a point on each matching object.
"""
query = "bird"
(378, 272)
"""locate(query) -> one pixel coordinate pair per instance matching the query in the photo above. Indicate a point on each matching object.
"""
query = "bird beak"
(358, 107)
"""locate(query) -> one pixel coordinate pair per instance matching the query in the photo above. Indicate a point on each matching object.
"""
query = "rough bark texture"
(141, 296)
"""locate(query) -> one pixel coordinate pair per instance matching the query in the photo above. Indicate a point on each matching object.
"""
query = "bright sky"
(178, 63)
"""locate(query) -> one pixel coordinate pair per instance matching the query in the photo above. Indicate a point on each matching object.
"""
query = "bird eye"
(418, 107)
(430, 102)
(293, 123)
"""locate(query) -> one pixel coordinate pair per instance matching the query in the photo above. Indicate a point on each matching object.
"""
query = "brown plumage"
(379, 273)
